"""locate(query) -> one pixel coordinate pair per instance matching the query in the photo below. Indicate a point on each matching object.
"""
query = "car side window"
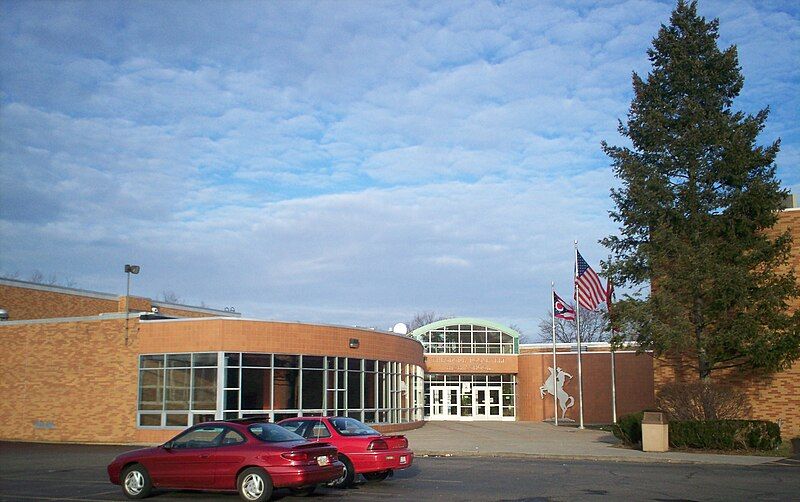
(295, 426)
(316, 429)
(201, 437)
(232, 437)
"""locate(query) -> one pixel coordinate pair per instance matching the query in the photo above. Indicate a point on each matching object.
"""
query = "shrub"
(725, 434)
(629, 428)
(702, 401)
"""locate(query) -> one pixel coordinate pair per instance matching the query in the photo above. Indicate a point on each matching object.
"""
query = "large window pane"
(205, 389)
(154, 361)
(179, 360)
(151, 387)
(262, 360)
(284, 361)
(177, 388)
(256, 389)
(312, 389)
(287, 383)
(205, 359)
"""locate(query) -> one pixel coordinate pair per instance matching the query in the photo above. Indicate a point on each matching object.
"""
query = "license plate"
(403, 459)
(323, 460)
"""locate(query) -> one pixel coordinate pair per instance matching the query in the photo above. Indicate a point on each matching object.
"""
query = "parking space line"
(28, 497)
(441, 481)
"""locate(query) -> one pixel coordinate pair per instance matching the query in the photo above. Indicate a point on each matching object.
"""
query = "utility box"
(655, 432)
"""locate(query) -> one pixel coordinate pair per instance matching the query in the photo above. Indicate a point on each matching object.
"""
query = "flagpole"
(578, 336)
(555, 368)
(609, 290)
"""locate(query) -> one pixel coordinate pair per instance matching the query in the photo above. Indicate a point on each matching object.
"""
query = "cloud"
(347, 162)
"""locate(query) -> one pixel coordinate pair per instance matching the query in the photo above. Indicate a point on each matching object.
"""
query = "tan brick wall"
(23, 303)
(81, 377)
(26, 303)
(774, 397)
(78, 376)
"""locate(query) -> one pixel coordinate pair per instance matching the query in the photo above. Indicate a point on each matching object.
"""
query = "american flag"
(590, 290)
(561, 309)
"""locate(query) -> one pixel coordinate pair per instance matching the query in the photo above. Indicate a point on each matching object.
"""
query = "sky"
(347, 163)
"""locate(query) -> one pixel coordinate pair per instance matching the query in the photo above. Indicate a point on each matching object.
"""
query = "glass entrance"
(444, 402)
(485, 403)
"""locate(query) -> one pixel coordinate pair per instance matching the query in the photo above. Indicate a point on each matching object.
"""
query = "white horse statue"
(554, 385)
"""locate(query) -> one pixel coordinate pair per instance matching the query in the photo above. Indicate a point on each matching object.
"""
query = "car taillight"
(378, 444)
(404, 442)
(297, 456)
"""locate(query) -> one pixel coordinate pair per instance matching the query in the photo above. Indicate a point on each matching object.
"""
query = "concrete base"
(655, 437)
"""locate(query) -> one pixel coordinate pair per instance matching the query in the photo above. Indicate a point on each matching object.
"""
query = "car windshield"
(272, 433)
(352, 427)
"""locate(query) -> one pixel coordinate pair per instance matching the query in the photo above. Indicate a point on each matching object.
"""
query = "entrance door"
(444, 402)
(486, 403)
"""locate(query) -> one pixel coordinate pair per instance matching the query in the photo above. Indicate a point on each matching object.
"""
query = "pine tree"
(697, 196)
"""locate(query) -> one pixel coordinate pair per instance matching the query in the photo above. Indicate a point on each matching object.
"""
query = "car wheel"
(254, 485)
(377, 476)
(347, 477)
(136, 482)
(304, 491)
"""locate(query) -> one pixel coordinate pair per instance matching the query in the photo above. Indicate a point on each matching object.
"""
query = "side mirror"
(167, 445)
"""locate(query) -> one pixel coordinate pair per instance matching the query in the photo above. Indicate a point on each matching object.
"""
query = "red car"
(362, 449)
(247, 455)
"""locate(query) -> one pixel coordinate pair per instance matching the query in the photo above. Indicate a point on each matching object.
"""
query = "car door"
(228, 458)
(186, 461)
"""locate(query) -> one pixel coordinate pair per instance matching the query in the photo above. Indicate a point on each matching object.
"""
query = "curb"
(609, 458)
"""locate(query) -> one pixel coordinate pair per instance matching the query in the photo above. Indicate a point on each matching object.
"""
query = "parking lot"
(30, 471)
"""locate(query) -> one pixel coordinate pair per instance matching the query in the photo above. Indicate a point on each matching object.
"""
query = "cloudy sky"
(341, 162)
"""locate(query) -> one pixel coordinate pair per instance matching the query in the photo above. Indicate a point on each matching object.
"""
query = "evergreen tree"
(697, 196)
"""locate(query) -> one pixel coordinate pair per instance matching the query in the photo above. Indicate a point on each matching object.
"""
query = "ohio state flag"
(561, 309)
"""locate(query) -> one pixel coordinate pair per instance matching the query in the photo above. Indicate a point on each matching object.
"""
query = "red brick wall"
(634, 381)
(774, 397)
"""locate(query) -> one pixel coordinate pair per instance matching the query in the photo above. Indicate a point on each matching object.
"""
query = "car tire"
(377, 476)
(304, 491)
(254, 485)
(136, 482)
(349, 474)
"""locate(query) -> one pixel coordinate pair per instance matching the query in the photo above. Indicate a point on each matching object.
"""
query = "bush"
(629, 428)
(725, 434)
(702, 401)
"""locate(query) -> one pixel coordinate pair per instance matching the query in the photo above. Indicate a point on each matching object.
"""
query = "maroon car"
(251, 456)
(362, 449)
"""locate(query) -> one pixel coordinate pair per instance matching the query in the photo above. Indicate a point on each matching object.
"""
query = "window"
(468, 339)
(180, 390)
(232, 437)
(351, 427)
(200, 437)
(272, 433)
(177, 390)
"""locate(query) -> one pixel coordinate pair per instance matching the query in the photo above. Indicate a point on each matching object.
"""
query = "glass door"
(444, 402)
(486, 403)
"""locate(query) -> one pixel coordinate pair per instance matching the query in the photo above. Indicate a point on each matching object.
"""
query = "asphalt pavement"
(30, 471)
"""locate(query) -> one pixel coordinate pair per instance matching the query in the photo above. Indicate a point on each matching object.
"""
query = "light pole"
(129, 269)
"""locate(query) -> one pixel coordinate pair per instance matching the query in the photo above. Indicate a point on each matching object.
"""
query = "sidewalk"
(543, 440)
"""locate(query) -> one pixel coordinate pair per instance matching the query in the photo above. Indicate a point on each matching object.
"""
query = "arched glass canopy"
(464, 335)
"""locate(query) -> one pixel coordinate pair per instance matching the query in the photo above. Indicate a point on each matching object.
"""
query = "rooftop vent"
(790, 202)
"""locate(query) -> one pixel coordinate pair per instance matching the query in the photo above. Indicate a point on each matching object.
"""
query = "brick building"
(76, 367)
(774, 397)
